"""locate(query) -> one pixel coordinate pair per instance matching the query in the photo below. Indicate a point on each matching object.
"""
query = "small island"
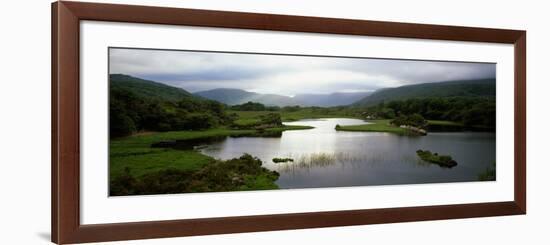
(278, 160)
(373, 126)
(413, 124)
(441, 160)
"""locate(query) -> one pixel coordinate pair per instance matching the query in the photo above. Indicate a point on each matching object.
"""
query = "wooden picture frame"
(66, 226)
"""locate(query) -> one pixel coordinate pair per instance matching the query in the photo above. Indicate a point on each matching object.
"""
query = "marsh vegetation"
(441, 160)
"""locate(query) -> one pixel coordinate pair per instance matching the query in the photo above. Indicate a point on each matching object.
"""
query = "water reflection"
(324, 157)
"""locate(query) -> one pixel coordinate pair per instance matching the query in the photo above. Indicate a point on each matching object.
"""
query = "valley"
(143, 113)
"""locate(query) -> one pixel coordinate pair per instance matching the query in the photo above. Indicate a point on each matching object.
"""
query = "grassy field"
(311, 113)
(252, 117)
(135, 152)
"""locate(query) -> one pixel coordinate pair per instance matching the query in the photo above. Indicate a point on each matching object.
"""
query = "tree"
(271, 119)
(120, 124)
(415, 120)
(478, 112)
(249, 106)
(200, 121)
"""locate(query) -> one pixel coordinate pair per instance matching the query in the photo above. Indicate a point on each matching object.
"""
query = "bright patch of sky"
(285, 74)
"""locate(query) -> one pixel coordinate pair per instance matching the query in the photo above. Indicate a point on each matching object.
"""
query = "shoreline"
(136, 151)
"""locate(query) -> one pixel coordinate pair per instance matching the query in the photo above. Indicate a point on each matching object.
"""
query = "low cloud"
(285, 74)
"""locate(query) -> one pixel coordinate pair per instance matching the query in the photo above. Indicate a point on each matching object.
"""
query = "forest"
(478, 113)
(130, 113)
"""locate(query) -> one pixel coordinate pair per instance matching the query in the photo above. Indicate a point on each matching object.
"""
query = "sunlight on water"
(320, 160)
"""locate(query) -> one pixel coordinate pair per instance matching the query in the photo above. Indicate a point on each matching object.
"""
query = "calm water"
(324, 157)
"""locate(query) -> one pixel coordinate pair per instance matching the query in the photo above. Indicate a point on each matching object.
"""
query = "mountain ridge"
(147, 88)
(232, 96)
(458, 88)
(332, 99)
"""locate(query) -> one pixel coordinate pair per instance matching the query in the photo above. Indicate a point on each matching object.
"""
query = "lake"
(324, 157)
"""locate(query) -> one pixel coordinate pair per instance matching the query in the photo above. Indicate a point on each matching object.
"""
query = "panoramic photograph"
(202, 121)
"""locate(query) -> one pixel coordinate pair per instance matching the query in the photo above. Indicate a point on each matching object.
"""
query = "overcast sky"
(285, 74)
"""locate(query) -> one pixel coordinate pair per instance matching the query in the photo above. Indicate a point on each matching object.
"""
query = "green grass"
(260, 182)
(247, 118)
(309, 113)
(289, 127)
(384, 126)
(374, 126)
(252, 117)
(236, 174)
(135, 152)
(247, 122)
(156, 160)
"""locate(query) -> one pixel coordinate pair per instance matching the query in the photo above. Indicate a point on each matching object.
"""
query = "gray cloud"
(286, 74)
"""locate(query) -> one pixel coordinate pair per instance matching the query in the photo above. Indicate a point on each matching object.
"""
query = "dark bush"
(478, 112)
(271, 119)
(415, 120)
(249, 106)
(129, 113)
(231, 175)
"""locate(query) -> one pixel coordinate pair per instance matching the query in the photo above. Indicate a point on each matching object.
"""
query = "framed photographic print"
(177, 122)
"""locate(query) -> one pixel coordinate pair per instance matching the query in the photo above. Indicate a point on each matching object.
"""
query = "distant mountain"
(147, 89)
(328, 100)
(238, 96)
(154, 90)
(464, 88)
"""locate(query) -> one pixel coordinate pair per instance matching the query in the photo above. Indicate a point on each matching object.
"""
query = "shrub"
(241, 173)
(415, 120)
(121, 125)
(271, 119)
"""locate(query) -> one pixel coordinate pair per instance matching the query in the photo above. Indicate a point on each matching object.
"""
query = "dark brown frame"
(66, 227)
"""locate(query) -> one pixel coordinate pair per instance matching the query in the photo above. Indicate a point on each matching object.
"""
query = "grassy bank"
(374, 126)
(385, 126)
(135, 152)
(136, 168)
(237, 174)
(246, 118)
